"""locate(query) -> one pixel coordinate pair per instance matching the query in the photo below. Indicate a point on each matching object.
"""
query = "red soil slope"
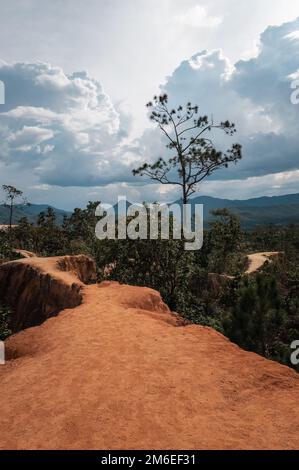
(120, 372)
(25, 253)
(257, 260)
(42, 287)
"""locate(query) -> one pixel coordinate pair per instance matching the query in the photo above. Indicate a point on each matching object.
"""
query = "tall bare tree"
(12, 196)
(195, 156)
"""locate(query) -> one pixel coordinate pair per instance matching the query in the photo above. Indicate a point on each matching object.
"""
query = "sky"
(77, 75)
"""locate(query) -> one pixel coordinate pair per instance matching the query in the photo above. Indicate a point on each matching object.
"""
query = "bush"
(4, 322)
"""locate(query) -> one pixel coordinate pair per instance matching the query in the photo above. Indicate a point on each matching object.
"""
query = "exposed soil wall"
(39, 288)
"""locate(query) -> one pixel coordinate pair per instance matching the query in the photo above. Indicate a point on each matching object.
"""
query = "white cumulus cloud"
(64, 128)
(65, 131)
(254, 93)
(198, 17)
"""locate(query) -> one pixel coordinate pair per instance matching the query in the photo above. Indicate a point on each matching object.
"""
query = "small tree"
(12, 196)
(257, 319)
(223, 242)
(195, 156)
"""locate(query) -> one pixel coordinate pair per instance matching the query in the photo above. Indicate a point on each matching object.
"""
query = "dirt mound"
(257, 260)
(25, 253)
(114, 373)
(218, 282)
(39, 288)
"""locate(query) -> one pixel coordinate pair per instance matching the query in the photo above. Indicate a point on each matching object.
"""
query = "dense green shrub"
(4, 322)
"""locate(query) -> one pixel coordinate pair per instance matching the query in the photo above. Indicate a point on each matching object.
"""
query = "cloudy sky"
(77, 75)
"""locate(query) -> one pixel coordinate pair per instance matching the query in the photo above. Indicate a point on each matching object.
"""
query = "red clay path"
(118, 373)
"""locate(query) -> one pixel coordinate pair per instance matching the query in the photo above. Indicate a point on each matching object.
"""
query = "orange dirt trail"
(117, 372)
(257, 260)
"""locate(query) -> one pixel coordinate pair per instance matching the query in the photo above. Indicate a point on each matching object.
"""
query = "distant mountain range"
(31, 212)
(276, 210)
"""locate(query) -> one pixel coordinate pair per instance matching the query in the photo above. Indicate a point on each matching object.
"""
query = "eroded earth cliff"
(120, 371)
